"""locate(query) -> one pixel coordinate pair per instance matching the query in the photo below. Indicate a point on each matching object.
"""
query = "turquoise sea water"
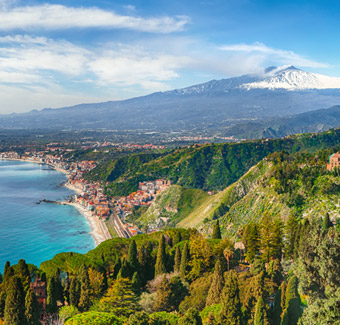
(36, 232)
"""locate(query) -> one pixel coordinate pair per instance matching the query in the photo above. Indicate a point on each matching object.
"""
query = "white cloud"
(61, 17)
(131, 66)
(278, 55)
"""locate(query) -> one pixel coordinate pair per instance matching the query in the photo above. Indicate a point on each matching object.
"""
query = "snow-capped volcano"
(291, 78)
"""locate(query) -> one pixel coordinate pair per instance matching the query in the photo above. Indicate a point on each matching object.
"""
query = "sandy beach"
(99, 230)
(73, 188)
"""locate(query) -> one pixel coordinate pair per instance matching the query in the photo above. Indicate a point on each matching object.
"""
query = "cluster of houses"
(147, 191)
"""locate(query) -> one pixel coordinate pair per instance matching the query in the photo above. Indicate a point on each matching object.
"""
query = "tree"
(136, 283)
(119, 299)
(177, 265)
(59, 290)
(216, 231)
(132, 258)
(160, 266)
(51, 303)
(200, 253)
(139, 318)
(74, 292)
(228, 252)
(260, 313)
(8, 272)
(184, 261)
(251, 239)
(215, 290)
(96, 283)
(326, 222)
(292, 313)
(146, 262)
(178, 238)
(66, 312)
(191, 317)
(15, 302)
(231, 313)
(22, 269)
(163, 301)
(32, 308)
(291, 229)
(271, 237)
(277, 309)
(84, 300)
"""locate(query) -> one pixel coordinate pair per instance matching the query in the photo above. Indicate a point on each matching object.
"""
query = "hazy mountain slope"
(209, 107)
(314, 121)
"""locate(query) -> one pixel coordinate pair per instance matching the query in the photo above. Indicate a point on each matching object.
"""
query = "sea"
(37, 232)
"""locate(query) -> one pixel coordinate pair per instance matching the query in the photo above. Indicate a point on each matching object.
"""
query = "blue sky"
(60, 53)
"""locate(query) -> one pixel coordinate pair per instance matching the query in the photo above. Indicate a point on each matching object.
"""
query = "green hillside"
(281, 185)
(206, 167)
(172, 205)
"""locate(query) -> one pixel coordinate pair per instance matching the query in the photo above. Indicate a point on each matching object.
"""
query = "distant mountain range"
(260, 102)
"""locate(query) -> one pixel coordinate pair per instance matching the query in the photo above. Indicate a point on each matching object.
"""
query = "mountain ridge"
(209, 108)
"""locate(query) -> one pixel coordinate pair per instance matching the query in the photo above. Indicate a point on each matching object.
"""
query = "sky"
(62, 53)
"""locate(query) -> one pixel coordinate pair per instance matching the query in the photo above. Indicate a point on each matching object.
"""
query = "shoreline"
(99, 230)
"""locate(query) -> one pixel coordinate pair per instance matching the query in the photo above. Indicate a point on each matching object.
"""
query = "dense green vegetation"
(206, 167)
(284, 273)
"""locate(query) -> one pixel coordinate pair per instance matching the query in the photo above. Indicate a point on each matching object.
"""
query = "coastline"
(99, 230)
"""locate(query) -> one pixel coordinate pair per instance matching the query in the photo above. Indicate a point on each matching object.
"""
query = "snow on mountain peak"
(291, 78)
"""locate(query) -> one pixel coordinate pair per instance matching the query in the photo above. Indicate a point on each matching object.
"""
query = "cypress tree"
(277, 310)
(326, 222)
(7, 265)
(293, 302)
(22, 269)
(146, 262)
(184, 261)
(32, 308)
(59, 290)
(160, 266)
(283, 297)
(252, 242)
(178, 238)
(136, 283)
(260, 313)
(84, 300)
(216, 287)
(15, 302)
(231, 313)
(8, 272)
(74, 292)
(132, 259)
(216, 231)
(124, 271)
(291, 229)
(177, 265)
(51, 303)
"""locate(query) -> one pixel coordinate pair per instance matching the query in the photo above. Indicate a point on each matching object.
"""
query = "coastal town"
(106, 216)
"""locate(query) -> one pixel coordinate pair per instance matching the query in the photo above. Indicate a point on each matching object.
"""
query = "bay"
(36, 232)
